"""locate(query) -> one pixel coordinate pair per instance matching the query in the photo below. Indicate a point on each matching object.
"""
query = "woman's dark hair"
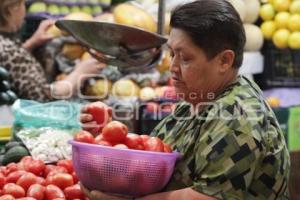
(213, 25)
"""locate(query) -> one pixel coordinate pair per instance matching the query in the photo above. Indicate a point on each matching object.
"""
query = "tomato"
(14, 176)
(53, 192)
(101, 113)
(26, 180)
(144, 138)
(154, 144)
(14, 190)
(62, 180)
(36, 191)
(121, 146)
(73, 192)
(3, 170)
(75, 178)
(47, 169)
(134, 141)
(41, 181)
(12, 167)
(26, 198)
(66, 164)
(7, 197)
(167, 148)
(115, 132)
(84, 136)
(55, 170)
(36, 167)
(2, 180)
(26, 160)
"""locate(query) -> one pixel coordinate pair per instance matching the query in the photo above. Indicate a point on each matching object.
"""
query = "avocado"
(4, 85)
(4, 98)
(15, 154)
(12, 96)
(12, 144)
(4, 75)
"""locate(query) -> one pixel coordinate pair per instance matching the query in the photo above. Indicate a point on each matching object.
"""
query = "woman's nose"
(174, 64)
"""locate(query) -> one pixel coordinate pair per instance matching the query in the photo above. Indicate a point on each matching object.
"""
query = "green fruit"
(14, 154)
(53, 9)
(4, 75)
(4, 98)
(4, 86)
(87, 9)
(12, 96)
(37, 7)
(64, 10)
(97, 10)
(75, 9)
(12, 144)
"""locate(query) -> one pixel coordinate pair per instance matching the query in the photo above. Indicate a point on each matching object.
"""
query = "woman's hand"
(90, 66)
(97, 195)
(40, 36)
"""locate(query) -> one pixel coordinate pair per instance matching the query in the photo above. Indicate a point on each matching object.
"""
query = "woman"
(28, 76)
(231, 142)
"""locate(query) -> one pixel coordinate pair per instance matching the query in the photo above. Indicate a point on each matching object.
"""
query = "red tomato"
(3, 170)
(12, 167)
(14, 176)
(26, 198)
(101, 113)
(14, 190)
(7, 197)
(154, 144)
(167, 148)
(121, 146)
(115, 132)
(53, 192)
(26, 160)
(55, 170)
(75, 178)
(103, 143)
(2, 180)
(62, 180)
(26, 180)
(41, 181)
(47, 169)
(73, 192)
(36, 191)
(84, 136)
(134, 141)
(144, 138)
(36, 167)
(66, 164)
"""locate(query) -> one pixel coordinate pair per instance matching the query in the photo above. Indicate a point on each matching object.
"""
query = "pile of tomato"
(115, 134)
(34, 180)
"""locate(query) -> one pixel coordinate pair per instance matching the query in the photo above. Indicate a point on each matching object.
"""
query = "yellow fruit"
(147, 93)
(281, 5)
(281, 20)
(125, 88)
(134, 16)
(268, 28)
(54, 31)
(101, 88)
(280, 38)
(85, 56)
(274, 102)
(267, 12)
(105, 17)
(79, 16)
(72, 51)
(295, 7)
(164, 63)
(294, 40)
(294, 22)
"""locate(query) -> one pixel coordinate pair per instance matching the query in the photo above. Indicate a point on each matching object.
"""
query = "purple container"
(121, 171)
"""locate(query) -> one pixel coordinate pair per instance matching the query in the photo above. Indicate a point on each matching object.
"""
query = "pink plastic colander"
(121, 171)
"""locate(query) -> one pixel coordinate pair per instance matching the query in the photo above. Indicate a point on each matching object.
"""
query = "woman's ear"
(226, 59)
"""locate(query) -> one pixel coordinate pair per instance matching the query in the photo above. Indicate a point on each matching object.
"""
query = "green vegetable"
(4, 75)
(15, 154)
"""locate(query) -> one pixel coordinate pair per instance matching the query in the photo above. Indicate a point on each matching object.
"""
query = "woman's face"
(195, 77)
(17, 15)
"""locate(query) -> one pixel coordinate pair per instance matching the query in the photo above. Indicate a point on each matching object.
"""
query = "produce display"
(35, 180)
(281, 23)
(6, 95)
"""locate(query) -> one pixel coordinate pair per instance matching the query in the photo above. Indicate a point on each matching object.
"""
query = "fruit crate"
(281, 67)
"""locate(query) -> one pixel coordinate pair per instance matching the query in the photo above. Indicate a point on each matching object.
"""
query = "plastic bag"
(56, 114)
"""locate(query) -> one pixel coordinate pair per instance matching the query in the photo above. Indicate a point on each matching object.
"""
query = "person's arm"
(67, 87)
(39, 37)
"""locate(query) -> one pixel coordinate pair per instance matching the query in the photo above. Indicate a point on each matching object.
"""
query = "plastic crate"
(281, 67)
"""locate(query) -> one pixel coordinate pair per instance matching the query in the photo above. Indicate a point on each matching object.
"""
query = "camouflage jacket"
(232, 149)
